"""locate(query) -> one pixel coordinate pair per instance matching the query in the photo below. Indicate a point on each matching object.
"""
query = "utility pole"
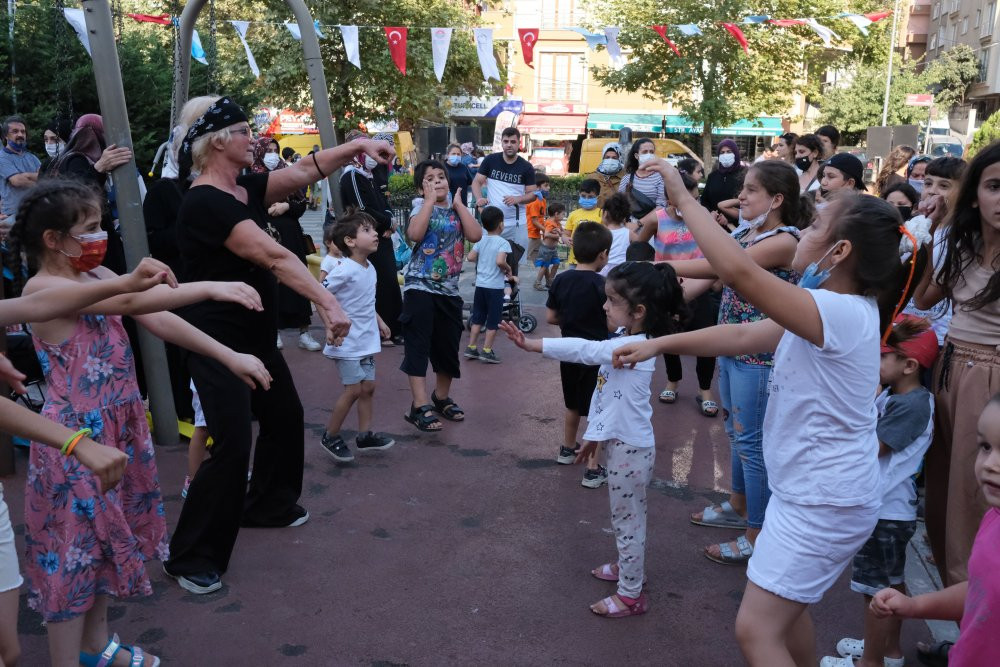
(888, 74)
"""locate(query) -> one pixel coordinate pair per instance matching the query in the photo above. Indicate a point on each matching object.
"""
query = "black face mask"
(905, 211)
(803, 163)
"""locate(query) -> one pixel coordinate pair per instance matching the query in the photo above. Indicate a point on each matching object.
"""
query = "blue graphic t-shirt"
(436, 262)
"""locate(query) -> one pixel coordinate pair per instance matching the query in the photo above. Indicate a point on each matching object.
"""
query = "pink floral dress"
(80, 543)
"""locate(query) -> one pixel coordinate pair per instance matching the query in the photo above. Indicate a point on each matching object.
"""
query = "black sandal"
(448, 409)
(423, 421)
(934, 654)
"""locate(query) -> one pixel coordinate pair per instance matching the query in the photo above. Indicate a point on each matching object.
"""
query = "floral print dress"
(80, 543)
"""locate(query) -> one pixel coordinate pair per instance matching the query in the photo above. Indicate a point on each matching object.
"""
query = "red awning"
(541, 124)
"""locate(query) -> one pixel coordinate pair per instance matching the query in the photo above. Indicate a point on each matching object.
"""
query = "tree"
(713, 82)
(987, 133)
(953, 72)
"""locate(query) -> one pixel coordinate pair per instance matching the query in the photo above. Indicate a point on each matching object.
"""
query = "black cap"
(851, 166)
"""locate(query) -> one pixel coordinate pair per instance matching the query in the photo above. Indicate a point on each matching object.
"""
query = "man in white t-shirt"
(510, 185)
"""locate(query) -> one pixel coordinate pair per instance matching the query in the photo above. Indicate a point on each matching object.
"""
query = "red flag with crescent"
(162, 19)
(397, 46)
(661, 30)
(786, 23)
(875, 17)
(735, 31)
(528, 37)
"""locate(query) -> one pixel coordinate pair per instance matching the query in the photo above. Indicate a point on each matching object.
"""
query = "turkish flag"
(738, 35)
(397, 46)
(877, 16)
(661, 30)
(162, 19)
(529, 37)
(786, 23)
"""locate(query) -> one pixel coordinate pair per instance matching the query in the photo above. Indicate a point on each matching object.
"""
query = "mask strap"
(909, 280)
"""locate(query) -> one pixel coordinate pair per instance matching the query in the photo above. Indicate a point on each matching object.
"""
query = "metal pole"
(111, 95)
(314, 69)
(11, 9)
(888, 74)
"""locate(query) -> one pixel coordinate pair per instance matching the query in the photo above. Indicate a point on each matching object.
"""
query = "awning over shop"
(540, 124)
(763, 126)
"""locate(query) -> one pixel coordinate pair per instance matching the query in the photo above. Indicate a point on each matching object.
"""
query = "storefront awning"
(542, 125)
(764, 126)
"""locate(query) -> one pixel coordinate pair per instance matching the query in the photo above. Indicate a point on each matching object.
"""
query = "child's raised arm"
(723, 340)
(470, 226)
(789, 305)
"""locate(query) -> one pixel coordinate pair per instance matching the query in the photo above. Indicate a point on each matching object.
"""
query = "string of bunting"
(397, 37)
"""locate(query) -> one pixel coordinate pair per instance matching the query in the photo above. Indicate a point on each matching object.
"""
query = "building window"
(940, 36)
(965, 24)
(559, 14)
(936, 12)
(933, 42)
(984, 64)
(561, 77)
(987, 27)
(979, 18)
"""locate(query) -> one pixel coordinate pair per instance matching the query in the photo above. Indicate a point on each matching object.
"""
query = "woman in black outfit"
(362, 189)
(726, 181)
(221, 235)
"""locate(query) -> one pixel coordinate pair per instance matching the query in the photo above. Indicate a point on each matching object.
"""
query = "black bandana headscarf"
(222, 114)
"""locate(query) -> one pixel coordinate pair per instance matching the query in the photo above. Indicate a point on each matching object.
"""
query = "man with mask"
(18, 170)
(510, 184)
(609, 171)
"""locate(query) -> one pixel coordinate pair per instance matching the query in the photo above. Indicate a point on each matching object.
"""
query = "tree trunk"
(706, 146)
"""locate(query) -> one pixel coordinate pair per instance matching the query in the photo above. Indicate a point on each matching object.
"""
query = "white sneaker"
(307, 342)
(851, 650)
(279, 344)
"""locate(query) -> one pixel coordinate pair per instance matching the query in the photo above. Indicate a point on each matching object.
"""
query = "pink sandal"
(606, 572)
(638, 606)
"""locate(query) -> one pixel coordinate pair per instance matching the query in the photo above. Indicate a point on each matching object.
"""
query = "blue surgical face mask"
(540, 194)
(812, 277)
(587, 202)
(14, 146)
(916, 185)
(454, 160)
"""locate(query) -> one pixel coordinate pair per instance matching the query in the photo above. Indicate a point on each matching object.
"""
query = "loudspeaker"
(467, 133)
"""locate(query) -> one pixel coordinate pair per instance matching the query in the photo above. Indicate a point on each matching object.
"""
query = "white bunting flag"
(824, 33)
(861, 22)
(484, 49)
(294, 29)
(440, 42)
(614, 49)
(241, 30)
(75, 18)
(197, 51)
(349, 33)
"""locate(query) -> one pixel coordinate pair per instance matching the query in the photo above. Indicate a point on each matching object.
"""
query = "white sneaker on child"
(279, 344)
(850, 650)
(307, 342)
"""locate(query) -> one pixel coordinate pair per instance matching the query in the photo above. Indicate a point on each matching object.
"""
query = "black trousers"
(388, 297)
(704, 314)
(218, 501)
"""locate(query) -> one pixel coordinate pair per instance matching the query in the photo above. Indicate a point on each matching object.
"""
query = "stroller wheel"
(527, 323)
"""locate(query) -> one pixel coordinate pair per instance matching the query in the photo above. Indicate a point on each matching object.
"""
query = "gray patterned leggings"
(629, 471)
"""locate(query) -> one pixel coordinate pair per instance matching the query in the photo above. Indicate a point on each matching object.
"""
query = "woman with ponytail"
(969, 370)
(819, 440)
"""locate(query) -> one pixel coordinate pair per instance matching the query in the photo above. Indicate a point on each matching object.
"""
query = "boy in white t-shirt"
(351, 279)
(492, 271)
(905, 427)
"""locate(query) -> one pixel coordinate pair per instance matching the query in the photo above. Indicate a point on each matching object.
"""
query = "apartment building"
(972, 22)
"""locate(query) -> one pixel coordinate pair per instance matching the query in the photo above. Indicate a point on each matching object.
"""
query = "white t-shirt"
(488, 274)
(940, 313)
(620, 408)
(354, 287)
(906, 426)
(619, 246)
(328, 262)
(820, 446)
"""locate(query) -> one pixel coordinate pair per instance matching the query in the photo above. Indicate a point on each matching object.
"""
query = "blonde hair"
(194, 109)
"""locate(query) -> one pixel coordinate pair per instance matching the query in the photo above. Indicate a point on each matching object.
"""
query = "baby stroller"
(511, 312)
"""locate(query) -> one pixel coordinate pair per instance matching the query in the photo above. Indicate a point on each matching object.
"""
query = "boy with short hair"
(905, 427)
(576, 305)
(351, 278)
(490, 255)
(432, 307)
(548, 254)
(535, 214)
(589, 191)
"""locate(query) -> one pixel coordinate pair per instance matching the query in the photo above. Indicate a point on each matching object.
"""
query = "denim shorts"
(881, 561)
(355, 371)
(547, 256)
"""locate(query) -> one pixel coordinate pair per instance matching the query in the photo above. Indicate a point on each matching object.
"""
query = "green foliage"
(566, 185)
(402, 184)
(987, 133)
(953, 72)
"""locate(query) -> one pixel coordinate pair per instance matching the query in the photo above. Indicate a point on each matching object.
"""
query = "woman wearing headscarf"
(609, 171)
(364, 186)
(56, 135)
(294, 310)
(726, 181)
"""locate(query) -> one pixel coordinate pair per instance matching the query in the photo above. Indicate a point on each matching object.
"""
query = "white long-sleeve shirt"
(620, 408)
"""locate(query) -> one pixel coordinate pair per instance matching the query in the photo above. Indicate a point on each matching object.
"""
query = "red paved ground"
(468, 547)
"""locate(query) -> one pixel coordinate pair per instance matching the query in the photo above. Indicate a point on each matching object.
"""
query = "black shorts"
(881, 561)
(432, 329)
(578, 384)
(487, 306)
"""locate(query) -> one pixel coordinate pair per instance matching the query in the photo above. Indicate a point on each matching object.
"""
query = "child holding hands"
(490, 255)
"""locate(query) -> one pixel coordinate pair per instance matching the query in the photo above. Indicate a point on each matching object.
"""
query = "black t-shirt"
(503, 179)
(578, 297)
(206, 219)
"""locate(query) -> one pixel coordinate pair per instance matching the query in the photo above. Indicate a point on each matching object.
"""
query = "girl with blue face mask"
(819, 432)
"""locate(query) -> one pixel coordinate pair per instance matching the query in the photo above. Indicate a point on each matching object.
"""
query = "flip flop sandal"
(447, 408)
(606, 572)
(419, 418)
(728, 556)
(668, 396)
(727, 518)
(614, 610)
(107, 656)
(708, 408)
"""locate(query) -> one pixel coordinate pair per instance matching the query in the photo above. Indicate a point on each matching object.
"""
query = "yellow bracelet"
(70, 443)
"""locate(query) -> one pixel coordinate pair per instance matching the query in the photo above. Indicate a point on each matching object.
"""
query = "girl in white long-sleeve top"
(643, 300)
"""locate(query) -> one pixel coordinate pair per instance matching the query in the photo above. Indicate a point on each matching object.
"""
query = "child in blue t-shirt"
(432, 307)
(490, 254)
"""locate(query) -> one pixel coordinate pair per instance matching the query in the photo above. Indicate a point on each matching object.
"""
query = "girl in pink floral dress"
(82, 545)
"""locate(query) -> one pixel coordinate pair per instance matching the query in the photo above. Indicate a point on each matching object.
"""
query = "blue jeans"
(743, 390)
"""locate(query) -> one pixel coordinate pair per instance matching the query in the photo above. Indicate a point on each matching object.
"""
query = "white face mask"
(271, 160)
(755, 223)
(370, 162)
(727, 160)
(645, 157)
(54, 149)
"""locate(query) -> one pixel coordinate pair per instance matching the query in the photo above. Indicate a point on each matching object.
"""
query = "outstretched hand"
(149, 273)
(632, 353)
(250, 369)
(517, 337)
(381, 151)
(240, 293)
